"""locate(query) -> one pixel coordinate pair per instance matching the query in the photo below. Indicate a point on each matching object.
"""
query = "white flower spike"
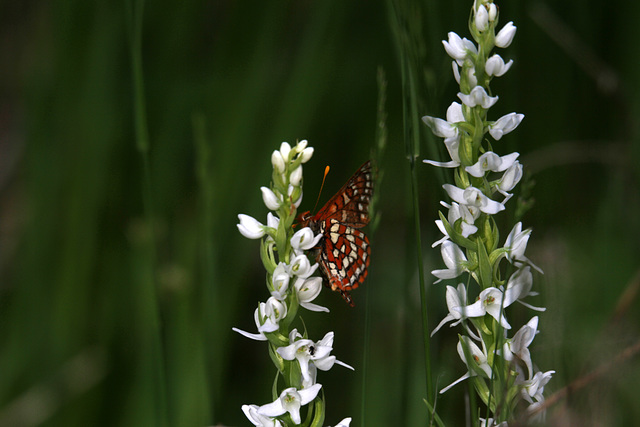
(481, 176)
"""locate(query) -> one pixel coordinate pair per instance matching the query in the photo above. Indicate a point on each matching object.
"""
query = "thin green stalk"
(208, 268)
(149, 306)
(406, 25)
(376, 155)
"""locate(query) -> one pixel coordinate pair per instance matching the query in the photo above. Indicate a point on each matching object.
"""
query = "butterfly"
(343, 251)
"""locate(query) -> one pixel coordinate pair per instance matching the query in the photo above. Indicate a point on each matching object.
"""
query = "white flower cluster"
(480, 176)
(290, 284)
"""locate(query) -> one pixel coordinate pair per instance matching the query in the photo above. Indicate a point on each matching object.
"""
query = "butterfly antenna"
(326, 172)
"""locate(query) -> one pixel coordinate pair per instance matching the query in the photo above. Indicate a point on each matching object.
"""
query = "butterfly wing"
(344, 256)
(350, 205)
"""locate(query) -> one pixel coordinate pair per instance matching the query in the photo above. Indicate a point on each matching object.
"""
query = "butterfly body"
(343, 252)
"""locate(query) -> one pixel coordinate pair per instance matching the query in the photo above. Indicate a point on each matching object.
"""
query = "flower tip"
(285, 149)
(250, 227)
(306, 154)
(277, 161)
(301, 146)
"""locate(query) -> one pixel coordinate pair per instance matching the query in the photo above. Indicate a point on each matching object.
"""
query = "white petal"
(462, 378)
(308, 394)
(277, 161)
(454, 113)
(505, 124)
(306, 154)
(477, 309)
(270, 199)
(478, 96)
(304, 239)
(285, 149)
(296, 176)
(495, 66)
(273, 409)
(450, 164)
(250, 227)
(456, 194)
(257, 337)
(493, 12)
(439, 127)
(300, 146)
(314, 307)
(482, 18)
(455, 47)
(344, 423)
(456, 71)
(345, 365)
(511, 177)
(452, 255)
(272, 220)
(505, 35)
(308, 289)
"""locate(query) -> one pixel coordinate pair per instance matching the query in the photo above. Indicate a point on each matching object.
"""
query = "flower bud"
(285, 149)
(495, 66)
(506, 34)
(270, 199)
(250, 227)
(306, 154)
(482, 18)
(296, 176)
(277, 161)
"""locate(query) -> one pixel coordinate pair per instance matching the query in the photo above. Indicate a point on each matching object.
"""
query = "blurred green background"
(122, 272)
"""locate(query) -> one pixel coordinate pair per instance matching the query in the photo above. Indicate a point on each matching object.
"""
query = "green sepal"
(478, 134)
(482, 389)
(318, 412)
(455, 236)
(282, 241)
(484, 267)
(267, 256)
(460, 176)
(491, 234)
(293, 374)
(292, 308)
(277, 360)
(482, 326)
(274, 387)
(277, 339)
(497, 255)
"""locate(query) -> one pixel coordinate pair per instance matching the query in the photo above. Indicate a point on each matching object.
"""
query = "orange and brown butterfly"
(343, 251)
